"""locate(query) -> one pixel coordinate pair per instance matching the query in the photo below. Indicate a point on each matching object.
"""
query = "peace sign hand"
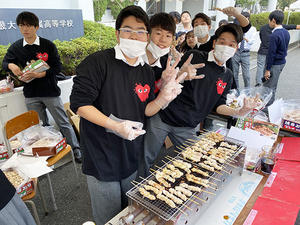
(170, 73)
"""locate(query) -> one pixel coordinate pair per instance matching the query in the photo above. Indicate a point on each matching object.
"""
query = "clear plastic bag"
(235, 98)
(291, 110)
(37, 136)
(6, 85)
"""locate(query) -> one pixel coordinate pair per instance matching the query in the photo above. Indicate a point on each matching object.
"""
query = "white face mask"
(223, 52)
(132, 48)
(156, 51)
(201, 31)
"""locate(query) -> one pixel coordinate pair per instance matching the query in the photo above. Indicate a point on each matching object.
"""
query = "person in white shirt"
(242, 56)
(186, 22)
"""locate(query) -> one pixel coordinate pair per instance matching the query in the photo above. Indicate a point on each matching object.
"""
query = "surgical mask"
(201, 31)
(156, 51)
(132, 48)
(223, 52)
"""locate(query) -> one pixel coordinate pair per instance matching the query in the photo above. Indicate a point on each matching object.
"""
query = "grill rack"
(163, 210)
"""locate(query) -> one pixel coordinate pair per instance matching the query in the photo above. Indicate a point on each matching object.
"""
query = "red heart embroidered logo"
(43, 56)
(221, 86)
(142, 91)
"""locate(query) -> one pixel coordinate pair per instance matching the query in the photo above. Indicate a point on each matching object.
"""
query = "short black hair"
(235, 29)
(175, 15)
(135, 11)
(223, 22)
(246, 14)
(184, 13)
(202, 16)
(27, 18)
(277, 15)
(163, 21)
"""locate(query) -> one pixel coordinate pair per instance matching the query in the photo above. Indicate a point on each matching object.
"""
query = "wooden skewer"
(190, 142)
(179, 148)
(193, 140)
(158, 167)
(212, 188)
(186, 206)
(230, 165)
(182, 211)
(199, 198)
(177, 151)
(208, 192)
(142, 178)
(153, 171)
(225, 171)
(185, 144)
(197, 203)
(213, 184)
(214, 178)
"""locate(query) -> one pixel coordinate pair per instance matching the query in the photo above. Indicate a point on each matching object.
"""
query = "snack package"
(291, 115)
(36, 137)
(6, 85)
(36, 66)
(22, 183)
(262, 95)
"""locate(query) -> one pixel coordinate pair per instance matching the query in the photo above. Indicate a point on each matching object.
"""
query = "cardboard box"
(50, 151)
(290, 125)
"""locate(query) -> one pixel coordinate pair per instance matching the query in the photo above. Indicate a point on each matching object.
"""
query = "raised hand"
(191, 69)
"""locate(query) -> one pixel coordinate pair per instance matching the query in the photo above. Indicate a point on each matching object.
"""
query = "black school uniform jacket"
(114, 88)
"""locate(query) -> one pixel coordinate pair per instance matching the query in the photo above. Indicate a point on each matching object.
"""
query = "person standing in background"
(264, 34)
(242, 55)
(42, 92)
(186, 22)
(278, 46)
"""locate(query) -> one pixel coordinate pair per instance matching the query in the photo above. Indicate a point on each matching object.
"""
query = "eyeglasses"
(140, 33)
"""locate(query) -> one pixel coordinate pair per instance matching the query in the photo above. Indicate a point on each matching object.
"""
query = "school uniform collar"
(156, 63)
(198, 43)
(36, 41)
(277, 28)
(119, 55)
(211, 58)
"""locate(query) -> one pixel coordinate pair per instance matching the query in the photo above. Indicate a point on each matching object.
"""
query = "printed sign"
(61, 24)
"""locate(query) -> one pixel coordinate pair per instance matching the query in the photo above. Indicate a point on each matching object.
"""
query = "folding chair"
(27, 199)
(29, 119)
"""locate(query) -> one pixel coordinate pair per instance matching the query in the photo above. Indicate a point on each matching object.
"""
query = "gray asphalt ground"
(73, 202)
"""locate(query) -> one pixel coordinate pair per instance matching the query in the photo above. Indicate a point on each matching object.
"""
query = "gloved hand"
(168, 93)
(127, 129)
(249, 105)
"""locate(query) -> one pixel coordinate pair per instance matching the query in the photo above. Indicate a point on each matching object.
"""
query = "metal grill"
(163, 210)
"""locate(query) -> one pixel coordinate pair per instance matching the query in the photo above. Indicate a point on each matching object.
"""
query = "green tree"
(117, 5)
(245, 3)
(99, 8)
(284, 3)
(263, 2)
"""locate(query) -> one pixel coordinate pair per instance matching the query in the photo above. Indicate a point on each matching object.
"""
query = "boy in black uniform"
(198, 97)
(113, 93)
(42, 92)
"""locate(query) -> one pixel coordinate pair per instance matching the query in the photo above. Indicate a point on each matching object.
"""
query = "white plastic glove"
(249, 104)
(168, 93)
(127, 129)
